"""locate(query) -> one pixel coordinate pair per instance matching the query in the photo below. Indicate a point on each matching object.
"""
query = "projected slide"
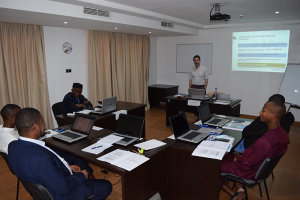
(262, 51)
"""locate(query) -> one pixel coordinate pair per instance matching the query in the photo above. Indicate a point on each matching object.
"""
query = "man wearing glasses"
(272, 144)
(257, 128)
(74, 101)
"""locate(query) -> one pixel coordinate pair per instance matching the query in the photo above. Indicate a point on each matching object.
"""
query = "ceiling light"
(149, 32)
(65, 22)
(276, 12)
(116, 27)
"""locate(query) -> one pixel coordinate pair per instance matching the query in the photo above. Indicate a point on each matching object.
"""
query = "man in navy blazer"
(34, 162)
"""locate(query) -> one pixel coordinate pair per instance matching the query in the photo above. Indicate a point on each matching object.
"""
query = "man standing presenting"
(74, 101)
(198, 77)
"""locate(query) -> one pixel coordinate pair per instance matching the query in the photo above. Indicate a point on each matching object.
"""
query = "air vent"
(166, 24)
(93, 11)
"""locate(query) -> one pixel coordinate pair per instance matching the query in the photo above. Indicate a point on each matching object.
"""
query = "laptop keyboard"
(71, 135)
(126, 139)
(191, 135)
(215, 121)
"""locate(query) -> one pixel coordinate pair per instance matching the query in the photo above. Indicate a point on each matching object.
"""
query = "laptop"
(108, 105)
(224, 98)
(208, 119)
(181, 129)
(81, 128)
(198, 94)
(130, 127)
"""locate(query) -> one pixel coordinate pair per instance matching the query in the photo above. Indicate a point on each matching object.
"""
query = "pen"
(135, 151)
(96, 147)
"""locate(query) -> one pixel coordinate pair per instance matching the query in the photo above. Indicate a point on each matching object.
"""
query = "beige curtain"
(118, 65)
(23, 75)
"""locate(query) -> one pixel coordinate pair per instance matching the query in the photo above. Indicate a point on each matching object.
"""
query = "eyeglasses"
(264, 110)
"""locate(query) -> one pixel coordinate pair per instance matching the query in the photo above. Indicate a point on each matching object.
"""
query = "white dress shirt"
(198, 76)
(7, 135)
(41, 143)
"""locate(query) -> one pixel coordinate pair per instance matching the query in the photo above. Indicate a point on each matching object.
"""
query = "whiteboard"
(290, 85)
(186, 52)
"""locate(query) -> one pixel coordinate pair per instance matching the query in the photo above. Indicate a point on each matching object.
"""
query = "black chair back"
(56, 108)
(4, 155)
(267, 167)
(37, 191)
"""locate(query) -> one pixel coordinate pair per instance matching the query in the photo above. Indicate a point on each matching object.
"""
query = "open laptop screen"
(83, 124)
(130, 125)
(204, 112)
(179, 124)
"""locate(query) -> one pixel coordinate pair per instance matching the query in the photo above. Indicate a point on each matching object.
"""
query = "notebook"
(208, 119)
(130, 127)
(224, 98)
(108, 105)
(181, 129)
(81, 128)
(198, 94)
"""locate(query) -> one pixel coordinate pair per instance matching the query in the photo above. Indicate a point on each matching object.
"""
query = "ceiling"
(144, 16)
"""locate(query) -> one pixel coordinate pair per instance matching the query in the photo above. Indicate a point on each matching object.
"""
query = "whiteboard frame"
(189, 57)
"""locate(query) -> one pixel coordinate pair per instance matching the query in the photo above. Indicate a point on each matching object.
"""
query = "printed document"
(150, 144)
(211, 149)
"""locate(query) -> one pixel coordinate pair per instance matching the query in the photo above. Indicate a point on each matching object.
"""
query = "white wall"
(254, 88)
(60, 82)
(153, 61)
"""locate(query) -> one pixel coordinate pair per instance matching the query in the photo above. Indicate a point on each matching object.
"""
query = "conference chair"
(37, 191)
(264, 171)
(56, 108)
(4, 155)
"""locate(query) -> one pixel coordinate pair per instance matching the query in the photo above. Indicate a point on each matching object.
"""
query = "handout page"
(193, 103)
(114, 156)
(131, 161)
(150, 144)
(96, 128)
(237, 125)
(117, 113)
(223, 103)
(84, 111)
(96, 148)
(110, 139)
(208, 153)
(215, 144)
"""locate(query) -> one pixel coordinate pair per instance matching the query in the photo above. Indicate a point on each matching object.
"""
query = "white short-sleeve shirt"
(7, 135)
(198, 76)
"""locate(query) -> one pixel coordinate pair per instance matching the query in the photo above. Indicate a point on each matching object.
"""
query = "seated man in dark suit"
(257, 128)
(7, 135)
(272, 144)
(74, 101)
(34, 162)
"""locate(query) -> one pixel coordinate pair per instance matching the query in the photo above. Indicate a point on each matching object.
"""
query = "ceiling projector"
(218, 16)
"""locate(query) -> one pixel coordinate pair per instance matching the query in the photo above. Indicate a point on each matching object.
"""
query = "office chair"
(4, 155)
(56, 108)
(37, 191)
(264, 171)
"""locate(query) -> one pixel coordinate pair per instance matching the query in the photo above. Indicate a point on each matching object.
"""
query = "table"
(158, 92)
(193, 177)
(139, 184)
(175, 105)
(108, 120)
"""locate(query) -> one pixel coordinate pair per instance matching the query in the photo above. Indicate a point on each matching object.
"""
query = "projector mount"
(218, 15)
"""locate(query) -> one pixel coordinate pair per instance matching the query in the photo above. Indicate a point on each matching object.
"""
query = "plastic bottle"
(216, 94)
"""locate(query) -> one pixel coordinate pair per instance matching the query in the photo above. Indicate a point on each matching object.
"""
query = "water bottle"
(216, 94)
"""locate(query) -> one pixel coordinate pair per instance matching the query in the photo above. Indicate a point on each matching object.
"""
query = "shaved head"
(9, 110)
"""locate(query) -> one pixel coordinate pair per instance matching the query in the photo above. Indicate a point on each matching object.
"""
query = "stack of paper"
(237, 125)
(102, 144)
(211, 149)
(124, 159)
(150, 144)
